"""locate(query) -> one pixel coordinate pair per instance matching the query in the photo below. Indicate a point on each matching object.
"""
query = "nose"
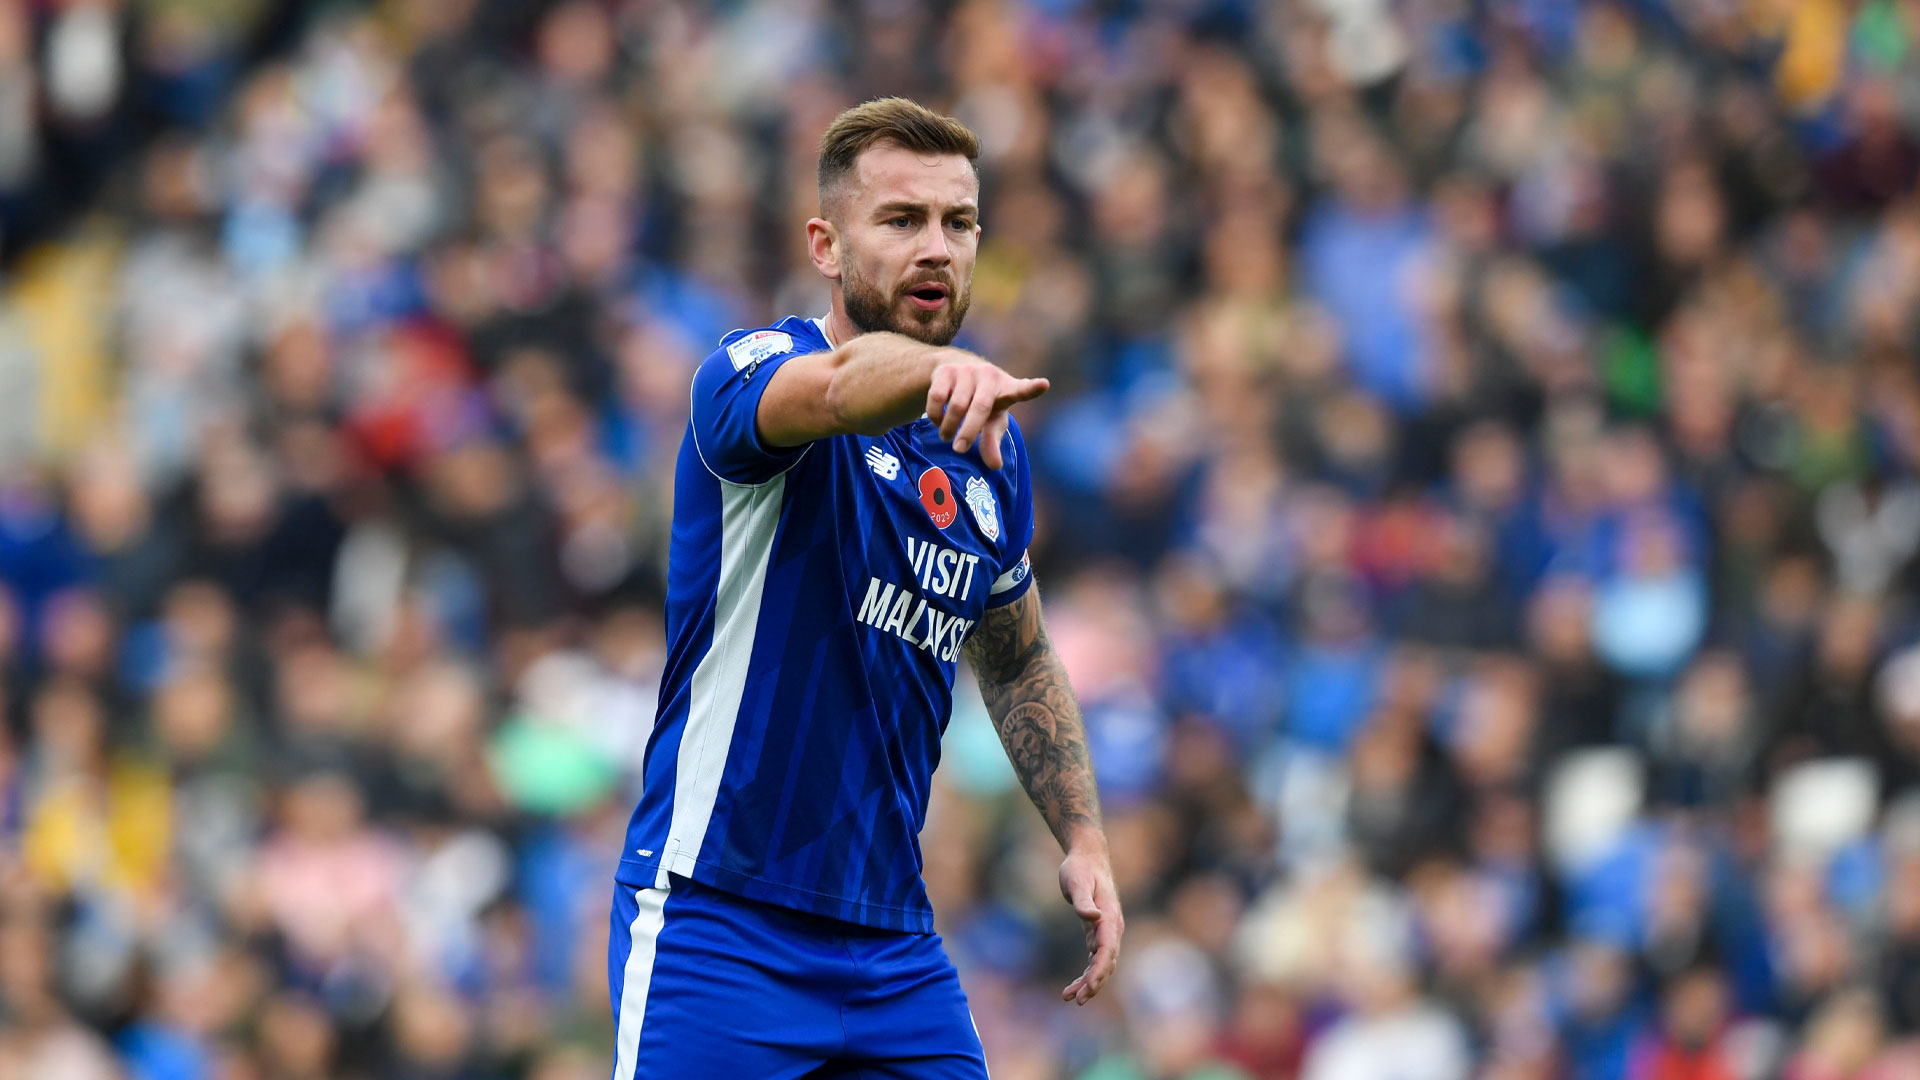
(933, 251)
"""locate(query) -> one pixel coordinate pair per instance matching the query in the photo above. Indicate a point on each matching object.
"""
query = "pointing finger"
(1025, 390)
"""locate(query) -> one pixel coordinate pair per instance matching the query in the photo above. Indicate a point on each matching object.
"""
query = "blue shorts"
(708, 984)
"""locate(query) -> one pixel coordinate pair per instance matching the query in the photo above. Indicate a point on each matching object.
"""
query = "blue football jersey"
(817, 599)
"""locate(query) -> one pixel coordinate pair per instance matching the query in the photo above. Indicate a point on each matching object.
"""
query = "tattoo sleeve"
(1033, 708)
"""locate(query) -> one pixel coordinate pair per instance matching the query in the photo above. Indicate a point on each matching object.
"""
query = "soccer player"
(851, 513)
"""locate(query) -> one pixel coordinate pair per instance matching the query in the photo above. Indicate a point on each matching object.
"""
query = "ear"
(823, 247)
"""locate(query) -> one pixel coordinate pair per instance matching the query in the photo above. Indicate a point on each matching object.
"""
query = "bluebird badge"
(985, 511)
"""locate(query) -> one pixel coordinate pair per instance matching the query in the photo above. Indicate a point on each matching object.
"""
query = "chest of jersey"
(929, 540)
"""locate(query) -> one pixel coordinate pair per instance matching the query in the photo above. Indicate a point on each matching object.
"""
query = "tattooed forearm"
(1033, 708)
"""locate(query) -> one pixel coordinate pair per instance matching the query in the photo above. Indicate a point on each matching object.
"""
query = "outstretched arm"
(879, 381)
(1033, 708)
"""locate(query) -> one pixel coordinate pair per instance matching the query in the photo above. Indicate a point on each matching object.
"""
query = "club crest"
(986, 512)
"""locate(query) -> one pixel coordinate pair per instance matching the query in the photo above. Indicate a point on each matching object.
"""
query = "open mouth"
(929, 296)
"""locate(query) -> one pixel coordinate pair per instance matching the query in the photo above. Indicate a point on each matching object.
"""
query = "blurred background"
(1479, 509)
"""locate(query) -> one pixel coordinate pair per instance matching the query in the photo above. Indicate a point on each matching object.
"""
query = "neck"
(840, 329)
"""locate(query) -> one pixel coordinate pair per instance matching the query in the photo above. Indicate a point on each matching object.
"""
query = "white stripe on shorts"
(645, 934)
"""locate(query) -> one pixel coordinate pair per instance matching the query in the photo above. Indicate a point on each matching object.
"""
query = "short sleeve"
(1015, 576)
(726, 402)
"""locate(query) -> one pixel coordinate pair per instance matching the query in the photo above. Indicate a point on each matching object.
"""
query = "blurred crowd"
(85, 83)
(1479, 508)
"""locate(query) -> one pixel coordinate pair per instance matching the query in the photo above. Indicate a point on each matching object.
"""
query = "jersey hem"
(643, 873)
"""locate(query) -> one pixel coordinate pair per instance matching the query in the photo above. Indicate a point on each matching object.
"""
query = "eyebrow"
(904, 207)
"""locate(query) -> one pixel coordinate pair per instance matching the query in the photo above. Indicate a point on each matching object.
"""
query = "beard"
(871, 311)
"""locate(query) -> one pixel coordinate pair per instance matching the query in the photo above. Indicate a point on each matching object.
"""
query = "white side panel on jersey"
(749, 517)
(645, 935)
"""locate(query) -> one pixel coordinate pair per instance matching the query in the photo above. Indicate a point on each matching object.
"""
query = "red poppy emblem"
(937, 496)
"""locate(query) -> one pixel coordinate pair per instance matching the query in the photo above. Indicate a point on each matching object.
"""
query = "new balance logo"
(883, 464)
